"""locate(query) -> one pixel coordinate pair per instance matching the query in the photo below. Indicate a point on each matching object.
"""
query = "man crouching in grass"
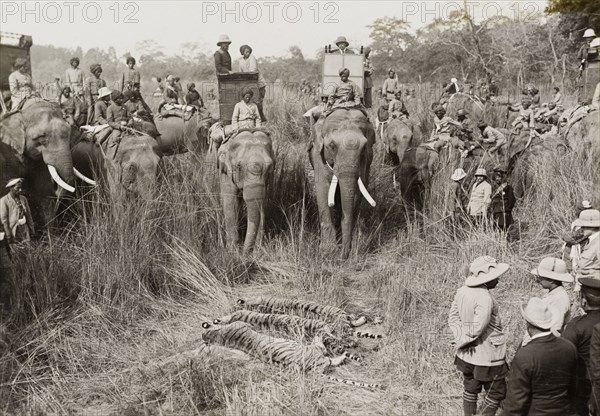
(477, 334)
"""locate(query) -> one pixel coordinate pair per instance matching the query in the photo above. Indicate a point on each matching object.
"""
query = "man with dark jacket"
(595, 370)
(503, 201)
(579, 332)
(541, 378)
(222, 56)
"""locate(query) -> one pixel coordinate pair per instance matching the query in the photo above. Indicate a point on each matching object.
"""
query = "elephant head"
(37, 142)
(133, 166)
(245, 163)
(341, 156)
(398, 137)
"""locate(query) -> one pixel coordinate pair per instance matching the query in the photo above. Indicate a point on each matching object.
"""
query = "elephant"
(584, 133)
(415, 164)
(245, 162)
(341, 153)
(35, 145)
(177, 135)
(130, 168)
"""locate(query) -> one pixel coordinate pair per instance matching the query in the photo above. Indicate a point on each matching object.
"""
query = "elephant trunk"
(57, 155)
(254, 197)
(348, 183)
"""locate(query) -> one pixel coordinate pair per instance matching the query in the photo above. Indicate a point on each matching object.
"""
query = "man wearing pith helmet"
(477, 333)
(222, 56)
(551, 273)
(579, 331)
(541, 373)
(342, 46)
(588, 264)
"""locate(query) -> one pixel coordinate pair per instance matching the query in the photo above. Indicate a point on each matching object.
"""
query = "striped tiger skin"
(277, 321)
(241, 336)
(278, 305)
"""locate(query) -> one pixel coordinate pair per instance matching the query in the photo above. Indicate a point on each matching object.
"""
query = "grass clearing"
(97, 312)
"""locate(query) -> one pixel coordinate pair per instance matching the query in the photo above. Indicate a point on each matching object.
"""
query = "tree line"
(540, 49)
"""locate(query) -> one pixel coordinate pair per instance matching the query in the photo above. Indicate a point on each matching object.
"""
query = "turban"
(243, 48)
(74, 59)
(13, 182)
(20, 62)
(129, 95)
(247, 90)
(342, 70)
(95, 67)
(115, 95)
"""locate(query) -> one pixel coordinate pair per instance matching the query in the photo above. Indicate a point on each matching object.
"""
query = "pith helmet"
(341, 39)
(589, 33)
(223, 39)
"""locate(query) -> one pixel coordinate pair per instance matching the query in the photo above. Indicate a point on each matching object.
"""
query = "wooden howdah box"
(230, 92)
(332, 63)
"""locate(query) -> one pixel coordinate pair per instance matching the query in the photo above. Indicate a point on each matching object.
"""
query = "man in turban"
(74, 77)
(92, 85)
(346, 95)
(20, 83)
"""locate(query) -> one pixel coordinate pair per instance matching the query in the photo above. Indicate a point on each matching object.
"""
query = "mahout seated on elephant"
(345, 95)
(245, 163)
(341, 152)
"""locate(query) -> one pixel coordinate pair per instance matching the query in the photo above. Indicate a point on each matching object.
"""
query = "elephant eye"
(42, 139)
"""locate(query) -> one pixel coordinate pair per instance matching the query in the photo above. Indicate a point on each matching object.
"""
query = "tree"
(390, 37)
(579, 14)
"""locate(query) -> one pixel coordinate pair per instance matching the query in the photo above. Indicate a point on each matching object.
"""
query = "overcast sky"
(270, 27)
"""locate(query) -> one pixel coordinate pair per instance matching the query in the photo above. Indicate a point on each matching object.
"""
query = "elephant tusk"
(365, 193)
(331, 194)
(84, 178)
(59, 180)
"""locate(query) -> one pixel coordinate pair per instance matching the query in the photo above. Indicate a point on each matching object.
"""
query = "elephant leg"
(230, 202)
(322, 182)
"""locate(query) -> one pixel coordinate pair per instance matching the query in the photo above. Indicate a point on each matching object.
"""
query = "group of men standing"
(556, 369)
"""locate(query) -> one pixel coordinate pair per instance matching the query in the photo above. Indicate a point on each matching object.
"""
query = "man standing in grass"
(579, 332)
(540, 381)
(477, 334)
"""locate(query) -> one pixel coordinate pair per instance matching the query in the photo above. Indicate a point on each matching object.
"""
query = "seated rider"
(193, 97)
(116, 112)
(525, 121)
(71, 107)
(494, 137)
(245, 113)
(548, 115)
(346, 94)
(396, 108)
(101, 107)
(467, 130)
(441, 134)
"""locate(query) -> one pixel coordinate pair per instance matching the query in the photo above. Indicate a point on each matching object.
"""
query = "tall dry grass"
(93, 311)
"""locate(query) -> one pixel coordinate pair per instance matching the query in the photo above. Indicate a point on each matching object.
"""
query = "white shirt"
(539, 335)
(559, 303)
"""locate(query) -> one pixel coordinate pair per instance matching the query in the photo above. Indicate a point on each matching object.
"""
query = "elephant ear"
(224, 162)
(12, 133)
(317, 134)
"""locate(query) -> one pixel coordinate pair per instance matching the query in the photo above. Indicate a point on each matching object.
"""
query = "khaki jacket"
(10, 215)
(475, 325)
